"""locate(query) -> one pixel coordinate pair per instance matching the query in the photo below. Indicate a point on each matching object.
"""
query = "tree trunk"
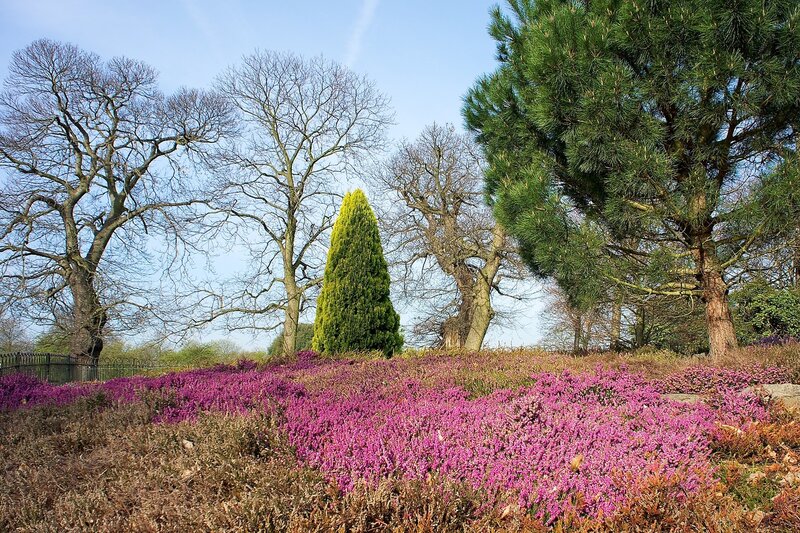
(468, 328)
(577, 332)
(455, 329)
(796, 264)
(588, 327)
(721, 333)
(616, 324)
(89, 319)
(640, 327)
(452, 337)
(292, 318)
(482, 314)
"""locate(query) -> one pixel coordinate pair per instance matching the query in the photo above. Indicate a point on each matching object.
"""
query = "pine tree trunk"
(577, 330)
(796, 263)
(587, 334)
(721, 333)
(616, 324)
(640, 327)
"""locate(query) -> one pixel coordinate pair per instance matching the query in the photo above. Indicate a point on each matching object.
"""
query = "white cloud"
(355, 43)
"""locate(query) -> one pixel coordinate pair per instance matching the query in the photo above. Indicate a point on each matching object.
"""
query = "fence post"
(47, 372)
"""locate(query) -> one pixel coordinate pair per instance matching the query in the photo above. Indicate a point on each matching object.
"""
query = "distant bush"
(765, 312)
(305, 336)
(120, 351)
(52, 341)
(192, 354)
(197, 354)
(776, 340)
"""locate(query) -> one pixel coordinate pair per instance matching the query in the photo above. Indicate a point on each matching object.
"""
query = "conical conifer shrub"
(354, 312)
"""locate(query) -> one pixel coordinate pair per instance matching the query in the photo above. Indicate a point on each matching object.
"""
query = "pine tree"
(670, 124)
(354, 312)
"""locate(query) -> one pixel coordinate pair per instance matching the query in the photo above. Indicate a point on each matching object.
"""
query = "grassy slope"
(92, 466)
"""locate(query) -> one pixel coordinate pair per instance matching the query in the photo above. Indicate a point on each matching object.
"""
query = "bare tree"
(91, 174)
(570, 328)
(13, 336)
(305, 124)
(441, 237)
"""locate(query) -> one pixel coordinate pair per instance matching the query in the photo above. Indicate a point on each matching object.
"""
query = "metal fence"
(60, 368)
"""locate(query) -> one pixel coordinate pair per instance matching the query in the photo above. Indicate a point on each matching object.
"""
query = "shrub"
(53, 340)
(766, 312)
(354, 312)
(195, 354)
(776, 340)
(305, 336)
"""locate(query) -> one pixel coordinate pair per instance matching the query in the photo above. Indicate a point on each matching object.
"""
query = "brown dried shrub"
(785, 516)
(658, 510)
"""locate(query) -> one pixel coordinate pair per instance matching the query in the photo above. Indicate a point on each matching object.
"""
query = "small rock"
(187, 444)
(788, 393)
(685, 398)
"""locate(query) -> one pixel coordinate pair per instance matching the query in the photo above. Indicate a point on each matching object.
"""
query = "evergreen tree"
(354, 312)
(668, 123)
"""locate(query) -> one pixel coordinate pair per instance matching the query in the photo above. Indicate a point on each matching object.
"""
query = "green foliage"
(354, 311)
(119, 351)
(684, 335)
(663, 124)
(52, 341)
(196, 354)
(305, 337)
(763, 311)
(192, 354)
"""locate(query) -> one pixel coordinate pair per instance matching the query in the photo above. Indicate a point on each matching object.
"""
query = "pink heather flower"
(565, 443)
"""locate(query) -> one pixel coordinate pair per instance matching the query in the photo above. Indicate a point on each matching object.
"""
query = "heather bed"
(530, 436)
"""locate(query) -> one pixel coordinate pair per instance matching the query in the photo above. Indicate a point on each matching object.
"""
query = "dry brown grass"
(89, 468)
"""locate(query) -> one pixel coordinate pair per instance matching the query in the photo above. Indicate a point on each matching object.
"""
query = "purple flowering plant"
(561, 443)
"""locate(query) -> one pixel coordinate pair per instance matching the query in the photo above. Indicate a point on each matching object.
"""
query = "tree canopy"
(448, 252)
(647, 145)
(93, 161)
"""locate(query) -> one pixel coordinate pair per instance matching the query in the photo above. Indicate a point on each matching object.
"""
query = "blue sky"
(423, 54)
